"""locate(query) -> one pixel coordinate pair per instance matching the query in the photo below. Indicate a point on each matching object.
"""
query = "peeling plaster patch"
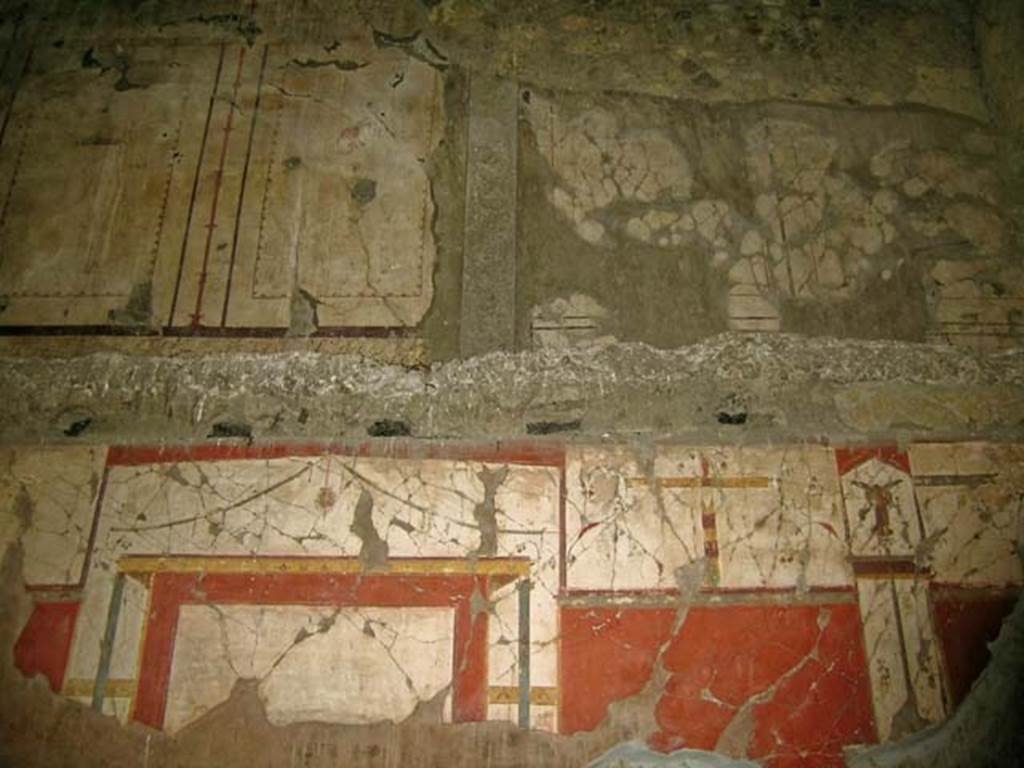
(485, 513)
(302, 312)
(568, 322)
(840, 221)
(601, 158)
(374, 551)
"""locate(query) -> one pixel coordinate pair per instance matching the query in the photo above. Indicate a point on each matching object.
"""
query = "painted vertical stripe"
(195, 186)
(524, 653)
(107, 646)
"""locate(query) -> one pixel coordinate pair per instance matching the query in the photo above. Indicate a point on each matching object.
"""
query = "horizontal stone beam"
(730, 388)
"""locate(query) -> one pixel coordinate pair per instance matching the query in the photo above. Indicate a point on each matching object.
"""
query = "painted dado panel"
(738, 591)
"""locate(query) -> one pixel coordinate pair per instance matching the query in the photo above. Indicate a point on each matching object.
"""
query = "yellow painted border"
(540, 695)
(753, 481)
(143, 565)
(117, 688)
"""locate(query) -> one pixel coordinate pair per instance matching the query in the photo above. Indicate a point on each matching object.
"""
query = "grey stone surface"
(835, 51)
(489, 262)
(634, 754)
(1000, 35)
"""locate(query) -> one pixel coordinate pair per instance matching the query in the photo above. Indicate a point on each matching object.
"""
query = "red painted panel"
(169, 591)
(848, 459)
(798, 673)
(966, 624)
(45, 642)
(606, 654)
(469, 699)
(824, 705)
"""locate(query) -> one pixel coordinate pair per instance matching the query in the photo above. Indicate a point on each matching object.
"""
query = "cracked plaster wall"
(699, 597)
(826, 168)
(686, 220)
(822, 199)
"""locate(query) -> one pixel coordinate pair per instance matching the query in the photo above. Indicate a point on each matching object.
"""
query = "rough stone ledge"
(731, 387)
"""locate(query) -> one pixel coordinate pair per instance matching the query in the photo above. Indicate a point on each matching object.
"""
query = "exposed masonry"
(792, 386)
(485, 512)
(374, 551)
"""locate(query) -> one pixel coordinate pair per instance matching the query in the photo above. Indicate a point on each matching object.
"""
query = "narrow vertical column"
(524, 653)
(489, 261)
(99, 688)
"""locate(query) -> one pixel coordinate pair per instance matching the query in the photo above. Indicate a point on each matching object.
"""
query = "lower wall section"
(785, 684)
(607, 654)
(779, 603)
(966, 621)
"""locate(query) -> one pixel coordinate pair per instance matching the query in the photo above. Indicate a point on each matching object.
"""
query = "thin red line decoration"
(172, 590)
(218, 181)
(882, 567)
(195, 185)
(525, 452)
(241, 188)
(848, 459)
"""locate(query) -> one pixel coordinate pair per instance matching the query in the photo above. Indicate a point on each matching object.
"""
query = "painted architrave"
(533, 453)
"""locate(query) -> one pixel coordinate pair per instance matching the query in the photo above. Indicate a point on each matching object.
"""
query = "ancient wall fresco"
(776, 602)
(769, 217)
(332, 184)
(221, 189)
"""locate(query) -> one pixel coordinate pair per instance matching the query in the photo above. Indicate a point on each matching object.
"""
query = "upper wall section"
(218, 189)
(827, 51)
(675, 220)
(419, 181)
